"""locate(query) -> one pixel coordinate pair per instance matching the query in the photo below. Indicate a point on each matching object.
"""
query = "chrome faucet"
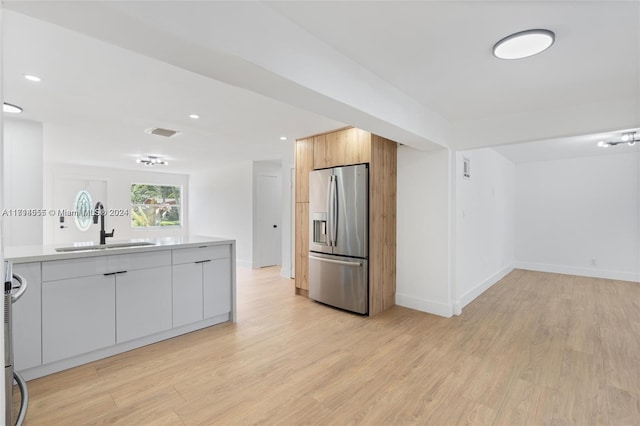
(99, 211)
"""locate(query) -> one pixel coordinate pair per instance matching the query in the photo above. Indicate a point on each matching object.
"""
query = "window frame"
(133, 206)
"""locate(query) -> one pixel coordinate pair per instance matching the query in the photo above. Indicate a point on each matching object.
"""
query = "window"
(84, 212)
(155, 205)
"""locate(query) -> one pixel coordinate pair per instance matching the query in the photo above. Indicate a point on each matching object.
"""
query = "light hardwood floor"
(536, 348)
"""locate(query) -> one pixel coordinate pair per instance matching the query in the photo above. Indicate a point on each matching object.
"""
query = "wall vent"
(167, 133)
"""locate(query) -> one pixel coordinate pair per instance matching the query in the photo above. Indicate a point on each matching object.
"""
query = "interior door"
(65, 192)
(268, 215)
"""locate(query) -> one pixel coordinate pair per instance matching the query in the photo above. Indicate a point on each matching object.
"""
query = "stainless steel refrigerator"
(339, 237)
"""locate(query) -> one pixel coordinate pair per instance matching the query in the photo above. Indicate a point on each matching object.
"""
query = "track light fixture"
(152, 160)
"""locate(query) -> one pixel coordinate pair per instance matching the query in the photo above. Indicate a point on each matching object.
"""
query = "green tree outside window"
(155, 205)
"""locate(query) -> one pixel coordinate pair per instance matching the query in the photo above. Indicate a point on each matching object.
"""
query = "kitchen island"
(85, 302)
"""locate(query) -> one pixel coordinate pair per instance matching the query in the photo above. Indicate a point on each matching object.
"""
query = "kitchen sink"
(104, 246)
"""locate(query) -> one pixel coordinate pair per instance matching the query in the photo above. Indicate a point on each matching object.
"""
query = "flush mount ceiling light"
(152, 160)
(10, 108)
(628, 137)
(523, 44)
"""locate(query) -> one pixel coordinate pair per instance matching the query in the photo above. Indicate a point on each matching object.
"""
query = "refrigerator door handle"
(334, 210)
(339, 262)
(329, 210)
(24, 398)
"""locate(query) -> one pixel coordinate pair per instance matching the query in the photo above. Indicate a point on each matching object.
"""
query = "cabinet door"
(304, 164)
(342, 148)
(143, 302)
(78, 316)
(321, 158)
(187, 293)
(217, 287)
(27, 319)
(302, 246)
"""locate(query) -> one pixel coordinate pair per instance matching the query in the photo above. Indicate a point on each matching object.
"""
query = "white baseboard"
(74, 361)
(584, 272)
(428, 306)
(476, 291)
(285, 273)
(244, 264)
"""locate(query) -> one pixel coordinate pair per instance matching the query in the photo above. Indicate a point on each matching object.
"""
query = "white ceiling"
(418, 72)
(96, 100)
(440, 52)
(569, 147)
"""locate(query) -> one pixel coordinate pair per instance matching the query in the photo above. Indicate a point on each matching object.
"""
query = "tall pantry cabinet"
(341, 148)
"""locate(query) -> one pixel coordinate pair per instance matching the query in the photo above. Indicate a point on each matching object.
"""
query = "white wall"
(485, 223)
(221, 205)
(288, 188)
(118, 197)
(423, 234)
(580, 216)
(22, 181)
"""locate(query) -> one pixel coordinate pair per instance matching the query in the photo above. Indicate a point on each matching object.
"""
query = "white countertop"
(24, 254)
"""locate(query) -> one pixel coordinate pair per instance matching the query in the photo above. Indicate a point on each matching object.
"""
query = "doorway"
(70, 228)
(268, 214)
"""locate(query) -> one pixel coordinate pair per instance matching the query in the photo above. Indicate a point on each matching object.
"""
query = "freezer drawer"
(339, 281)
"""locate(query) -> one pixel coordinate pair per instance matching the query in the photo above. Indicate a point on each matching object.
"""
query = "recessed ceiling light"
(523, 44)
(194, 116)
(32, 77)
(10, 108)
(283, 138)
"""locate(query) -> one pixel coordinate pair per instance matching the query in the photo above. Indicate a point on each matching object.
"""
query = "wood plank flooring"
(535, 349)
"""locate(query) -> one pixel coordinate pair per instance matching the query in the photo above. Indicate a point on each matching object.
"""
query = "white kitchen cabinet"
(216, 287)
(78, 316)
(27, 319)
(84, 307)
(187, 293)
(143, 302)
(201, 283)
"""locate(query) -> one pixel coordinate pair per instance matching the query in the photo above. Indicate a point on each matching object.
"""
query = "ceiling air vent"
(167, 133)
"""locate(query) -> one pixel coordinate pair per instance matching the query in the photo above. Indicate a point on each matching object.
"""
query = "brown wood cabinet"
(304, 164)
(341, 148)
(302, 248)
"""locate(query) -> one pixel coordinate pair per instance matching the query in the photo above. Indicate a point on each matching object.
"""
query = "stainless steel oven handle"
(24, 398)
(339, 262)
(21, 289)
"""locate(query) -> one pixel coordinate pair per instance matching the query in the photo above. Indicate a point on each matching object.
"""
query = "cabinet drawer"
(74, 268)
(97, 265)
(199, 254)
(130, 262)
